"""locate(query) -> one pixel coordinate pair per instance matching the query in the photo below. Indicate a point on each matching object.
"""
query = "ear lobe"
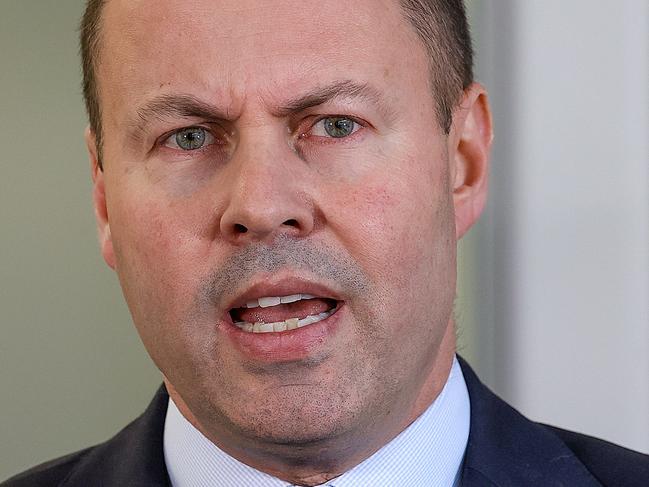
(471, 137)
(99, 201)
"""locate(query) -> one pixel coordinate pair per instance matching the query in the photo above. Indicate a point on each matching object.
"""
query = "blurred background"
(553, 303)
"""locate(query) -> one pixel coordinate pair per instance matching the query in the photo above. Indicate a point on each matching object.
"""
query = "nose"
(267, 195)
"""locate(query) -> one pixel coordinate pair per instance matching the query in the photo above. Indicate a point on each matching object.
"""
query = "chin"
(297, 418)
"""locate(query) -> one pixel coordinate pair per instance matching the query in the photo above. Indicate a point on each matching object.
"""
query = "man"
(280, 187)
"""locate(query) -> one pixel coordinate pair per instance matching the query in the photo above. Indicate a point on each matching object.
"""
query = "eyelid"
(314, 120)
(219, 135)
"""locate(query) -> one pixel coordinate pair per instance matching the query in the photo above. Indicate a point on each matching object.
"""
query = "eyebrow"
(346, 89)
(189, 106)
(172, 106)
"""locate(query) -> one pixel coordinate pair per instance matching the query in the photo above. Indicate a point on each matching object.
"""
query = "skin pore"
(272, 203)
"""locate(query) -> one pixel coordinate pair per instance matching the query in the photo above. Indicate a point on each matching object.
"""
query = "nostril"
(238, 228)
(292, 223)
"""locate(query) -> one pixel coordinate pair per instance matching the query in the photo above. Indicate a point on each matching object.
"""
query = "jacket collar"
(506, 449)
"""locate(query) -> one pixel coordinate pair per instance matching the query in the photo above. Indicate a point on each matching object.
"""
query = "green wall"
(72, 369)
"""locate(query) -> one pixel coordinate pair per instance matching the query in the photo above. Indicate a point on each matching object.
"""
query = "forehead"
(246, 46)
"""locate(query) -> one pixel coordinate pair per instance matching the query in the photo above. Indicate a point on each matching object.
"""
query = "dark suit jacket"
(505, 450)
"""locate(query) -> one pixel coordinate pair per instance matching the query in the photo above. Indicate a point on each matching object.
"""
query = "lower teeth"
(280, 326)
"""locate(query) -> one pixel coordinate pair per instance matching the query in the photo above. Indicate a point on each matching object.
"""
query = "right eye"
(189, 139)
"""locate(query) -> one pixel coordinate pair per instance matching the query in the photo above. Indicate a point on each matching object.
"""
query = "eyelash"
(358, 125)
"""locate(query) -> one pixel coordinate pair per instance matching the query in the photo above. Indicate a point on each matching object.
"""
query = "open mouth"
(277, 314)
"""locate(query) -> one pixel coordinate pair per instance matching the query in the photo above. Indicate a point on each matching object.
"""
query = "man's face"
(279, 149)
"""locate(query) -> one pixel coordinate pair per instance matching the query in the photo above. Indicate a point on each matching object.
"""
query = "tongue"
(282, 312)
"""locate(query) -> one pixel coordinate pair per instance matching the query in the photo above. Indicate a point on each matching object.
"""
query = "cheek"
(154, 226)
(378, 215)
(400, 229)
(392, 221)
(155, 249)
(143, 234)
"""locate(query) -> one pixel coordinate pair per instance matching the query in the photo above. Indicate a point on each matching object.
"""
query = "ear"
(99, 200)
(470, 139)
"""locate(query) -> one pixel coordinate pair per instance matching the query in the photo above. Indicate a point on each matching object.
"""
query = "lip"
(289, 346)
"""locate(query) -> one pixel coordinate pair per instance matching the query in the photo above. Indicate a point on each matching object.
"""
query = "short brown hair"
(443, 27)
(90, 33)
(441, 24)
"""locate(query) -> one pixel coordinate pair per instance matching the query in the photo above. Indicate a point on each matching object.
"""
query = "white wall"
(563, 289)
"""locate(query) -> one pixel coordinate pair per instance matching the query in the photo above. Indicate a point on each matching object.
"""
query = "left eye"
(336, 127)
(189, 139)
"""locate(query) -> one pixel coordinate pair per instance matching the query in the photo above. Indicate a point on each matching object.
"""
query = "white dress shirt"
(428, 453)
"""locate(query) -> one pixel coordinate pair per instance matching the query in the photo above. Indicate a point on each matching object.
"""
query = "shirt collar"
(428, 453)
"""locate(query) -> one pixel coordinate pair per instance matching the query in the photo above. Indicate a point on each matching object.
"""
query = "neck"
(318, 462)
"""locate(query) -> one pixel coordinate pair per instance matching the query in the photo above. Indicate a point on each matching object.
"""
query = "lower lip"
(286, 346)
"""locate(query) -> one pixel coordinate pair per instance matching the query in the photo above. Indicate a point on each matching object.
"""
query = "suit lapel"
(507, 450)
(134, 457)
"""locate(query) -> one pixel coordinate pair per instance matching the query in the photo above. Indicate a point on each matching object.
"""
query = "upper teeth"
(268, 301)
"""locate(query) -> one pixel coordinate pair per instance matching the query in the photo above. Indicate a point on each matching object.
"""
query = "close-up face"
(277, 200)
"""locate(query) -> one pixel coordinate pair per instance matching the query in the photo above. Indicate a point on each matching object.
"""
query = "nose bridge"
(262, 152)
(266, 196)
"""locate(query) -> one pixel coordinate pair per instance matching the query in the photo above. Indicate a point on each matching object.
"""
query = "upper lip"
(285, 286)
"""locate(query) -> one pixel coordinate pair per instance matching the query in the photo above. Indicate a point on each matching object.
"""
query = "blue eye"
(190, 139)
(335, 127)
